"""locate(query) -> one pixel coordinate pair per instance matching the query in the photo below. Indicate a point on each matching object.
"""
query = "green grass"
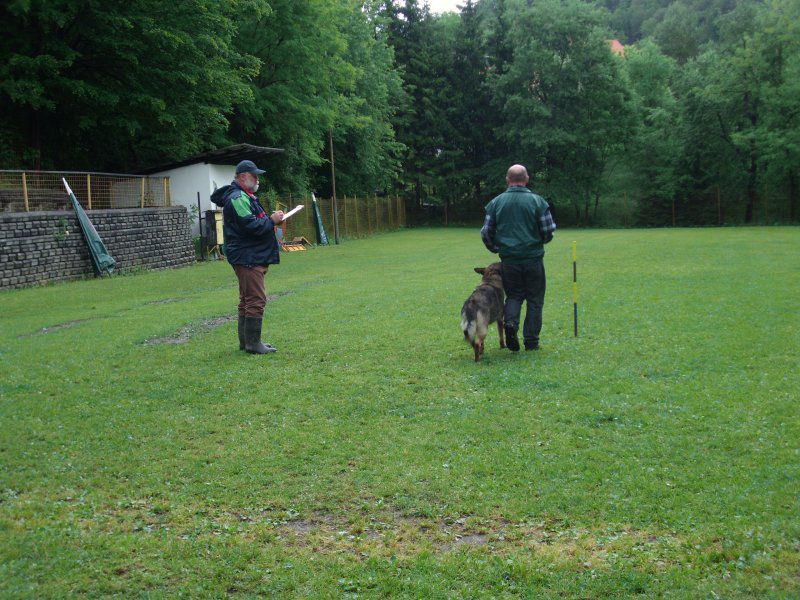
(657, 454)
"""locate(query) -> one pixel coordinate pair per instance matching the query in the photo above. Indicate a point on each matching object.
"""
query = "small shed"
(205, 172)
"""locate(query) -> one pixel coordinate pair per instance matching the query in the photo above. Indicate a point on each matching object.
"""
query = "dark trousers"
(252, 293)
(525, 282)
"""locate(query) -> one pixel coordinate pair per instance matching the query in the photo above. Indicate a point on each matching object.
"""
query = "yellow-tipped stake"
(575, 287)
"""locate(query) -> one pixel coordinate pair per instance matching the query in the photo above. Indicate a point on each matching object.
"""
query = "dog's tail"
(469, 327)
(472, 323)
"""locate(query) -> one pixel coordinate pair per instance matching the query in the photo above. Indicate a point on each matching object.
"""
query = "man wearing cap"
(250, 247)
(518, 224)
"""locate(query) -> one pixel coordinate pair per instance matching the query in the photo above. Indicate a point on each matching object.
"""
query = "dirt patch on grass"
(472, 540)
(394, 534)
(400, 535)
(187, 332)
(57, 327)
(165, 301)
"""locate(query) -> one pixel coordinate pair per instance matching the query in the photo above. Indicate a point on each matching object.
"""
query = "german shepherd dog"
(484, 307)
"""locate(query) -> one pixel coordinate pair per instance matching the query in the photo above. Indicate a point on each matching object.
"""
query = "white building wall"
(187, 181)
(221, 175)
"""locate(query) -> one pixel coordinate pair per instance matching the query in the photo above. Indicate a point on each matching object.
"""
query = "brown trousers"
(252, 293)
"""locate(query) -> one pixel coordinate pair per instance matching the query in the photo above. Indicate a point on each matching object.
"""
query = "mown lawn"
(657, 454)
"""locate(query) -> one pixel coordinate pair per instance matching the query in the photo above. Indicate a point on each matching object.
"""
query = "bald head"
(517, 175)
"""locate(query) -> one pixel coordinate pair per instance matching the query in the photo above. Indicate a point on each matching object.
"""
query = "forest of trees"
(700, 111)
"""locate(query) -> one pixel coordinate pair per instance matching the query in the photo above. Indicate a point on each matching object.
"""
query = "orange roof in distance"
(616, 47)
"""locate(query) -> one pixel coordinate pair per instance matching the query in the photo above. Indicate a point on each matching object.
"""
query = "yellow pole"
(25, 192)
(575, 287)
(89, 190)
(141, 195)
(165, 192)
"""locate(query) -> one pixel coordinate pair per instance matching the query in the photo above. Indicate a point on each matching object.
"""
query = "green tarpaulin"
(101, 259)
(322, 237)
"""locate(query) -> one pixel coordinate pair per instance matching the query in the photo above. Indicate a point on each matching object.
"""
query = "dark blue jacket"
(249, 232)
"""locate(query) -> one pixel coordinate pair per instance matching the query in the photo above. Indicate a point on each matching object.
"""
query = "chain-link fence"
(357, 217)
(26, 191)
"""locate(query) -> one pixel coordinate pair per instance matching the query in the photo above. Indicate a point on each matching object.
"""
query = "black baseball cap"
(248, 166)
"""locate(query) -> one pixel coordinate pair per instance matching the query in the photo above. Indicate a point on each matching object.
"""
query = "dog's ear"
(480, 270)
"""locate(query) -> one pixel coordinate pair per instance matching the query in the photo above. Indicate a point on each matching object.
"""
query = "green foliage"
(564, 103)
(704, 102)
(86, 85)
(653, 152)
(295, 94)
(367, 153)
(653, 456)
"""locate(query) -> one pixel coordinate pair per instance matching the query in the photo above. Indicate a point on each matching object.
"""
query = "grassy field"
(658, 454)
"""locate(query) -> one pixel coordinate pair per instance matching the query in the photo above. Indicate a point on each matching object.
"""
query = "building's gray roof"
(230, 155)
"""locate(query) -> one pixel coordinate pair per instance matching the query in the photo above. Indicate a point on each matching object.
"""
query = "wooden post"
(89, 191)
(165, 192)
(25, 192)
(369, 217)
(625, 211)
(358, 229)
(345, 215)
(333, 189)
(141, 195)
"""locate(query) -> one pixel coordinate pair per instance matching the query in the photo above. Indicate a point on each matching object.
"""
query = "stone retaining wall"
(39, 247)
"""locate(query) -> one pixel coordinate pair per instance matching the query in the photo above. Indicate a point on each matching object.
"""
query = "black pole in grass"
(575, 287)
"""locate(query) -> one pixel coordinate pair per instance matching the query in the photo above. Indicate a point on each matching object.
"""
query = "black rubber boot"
(512, 342)
(252, 337)
(241, 332)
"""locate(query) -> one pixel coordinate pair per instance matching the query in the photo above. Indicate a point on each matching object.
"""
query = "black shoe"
(532, 345)
(241, 332)
(512, 343)
(252, 337)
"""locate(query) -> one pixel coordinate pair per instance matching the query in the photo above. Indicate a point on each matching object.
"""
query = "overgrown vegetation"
(655, 455)
(699, 118)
